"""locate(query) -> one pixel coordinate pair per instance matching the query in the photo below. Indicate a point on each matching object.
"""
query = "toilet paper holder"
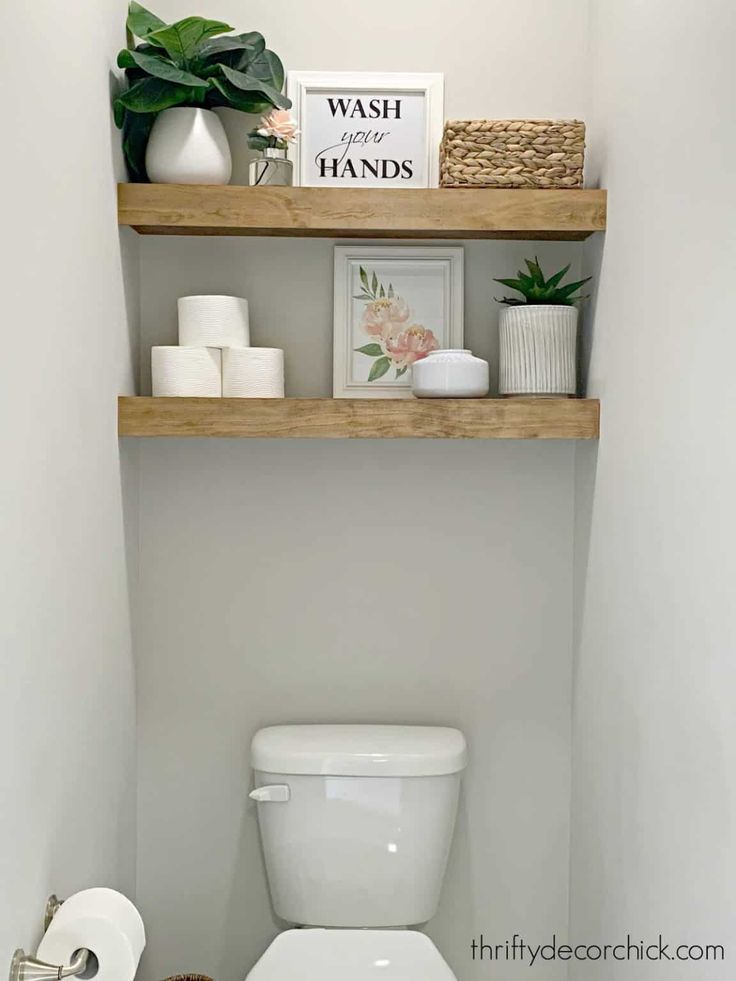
(24, 967)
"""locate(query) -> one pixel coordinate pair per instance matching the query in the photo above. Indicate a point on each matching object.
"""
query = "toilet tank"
(356, 821)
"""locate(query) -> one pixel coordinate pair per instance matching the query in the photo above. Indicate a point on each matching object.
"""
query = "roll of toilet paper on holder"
(104, 922)
(253, 372)
(186, 371)
(213, 321)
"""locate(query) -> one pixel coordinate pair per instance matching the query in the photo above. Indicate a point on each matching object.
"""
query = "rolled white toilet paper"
(253, 372)
(213, 321)
(186, 371)
(103, 921)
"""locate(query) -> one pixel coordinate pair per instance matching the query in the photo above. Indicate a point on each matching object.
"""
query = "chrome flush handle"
(273, 792)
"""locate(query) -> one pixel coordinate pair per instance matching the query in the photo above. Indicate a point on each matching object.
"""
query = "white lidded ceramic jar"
(450, 374)
(537, 350)
(188, 146)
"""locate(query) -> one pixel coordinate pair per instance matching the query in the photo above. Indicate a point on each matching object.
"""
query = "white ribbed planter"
(537, 355)
(188, 146)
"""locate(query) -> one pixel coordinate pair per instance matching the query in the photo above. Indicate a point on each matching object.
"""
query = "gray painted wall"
(654, 846)
(67, 742)
(418, 582)
(289, 285)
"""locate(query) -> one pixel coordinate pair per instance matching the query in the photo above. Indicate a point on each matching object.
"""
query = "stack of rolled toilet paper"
(214, 357)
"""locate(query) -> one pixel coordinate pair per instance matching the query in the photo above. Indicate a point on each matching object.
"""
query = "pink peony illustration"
(396, 343)
(412, 344)
(385, 316)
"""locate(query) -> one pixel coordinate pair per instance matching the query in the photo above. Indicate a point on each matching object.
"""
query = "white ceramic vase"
(450, 375)
(188, 146)
(537, 350)
(237, 126)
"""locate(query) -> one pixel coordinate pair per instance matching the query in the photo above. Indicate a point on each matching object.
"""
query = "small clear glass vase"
(271, 168)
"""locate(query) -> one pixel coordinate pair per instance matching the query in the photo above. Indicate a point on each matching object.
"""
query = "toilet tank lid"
(359, 750)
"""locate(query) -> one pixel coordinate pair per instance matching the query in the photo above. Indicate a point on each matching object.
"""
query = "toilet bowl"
(356, 824)
(351, 955)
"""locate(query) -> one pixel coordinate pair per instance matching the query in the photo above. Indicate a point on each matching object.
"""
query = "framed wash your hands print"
(367, 129)
(393, 306)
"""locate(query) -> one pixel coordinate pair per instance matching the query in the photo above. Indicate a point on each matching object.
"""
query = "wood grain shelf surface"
(333, 212)
(360, 418)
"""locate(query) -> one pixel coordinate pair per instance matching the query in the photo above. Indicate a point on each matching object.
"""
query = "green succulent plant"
(189, 63)
(534, 288)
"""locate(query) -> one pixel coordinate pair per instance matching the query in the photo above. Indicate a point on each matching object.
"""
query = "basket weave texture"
(189, 977)
(512, 153)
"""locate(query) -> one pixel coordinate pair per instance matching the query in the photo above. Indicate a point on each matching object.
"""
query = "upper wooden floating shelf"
(360, 418)
(333, 212)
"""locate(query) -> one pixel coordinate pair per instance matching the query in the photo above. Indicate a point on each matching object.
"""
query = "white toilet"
(356, 824)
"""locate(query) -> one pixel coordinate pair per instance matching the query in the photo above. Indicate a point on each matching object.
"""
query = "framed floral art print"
(393, 306)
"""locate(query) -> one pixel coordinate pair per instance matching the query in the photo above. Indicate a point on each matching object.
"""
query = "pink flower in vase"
(412, 344)
(280, 125)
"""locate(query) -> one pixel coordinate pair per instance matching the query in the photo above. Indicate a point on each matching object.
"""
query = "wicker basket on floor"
(189, 977)
(512, 153)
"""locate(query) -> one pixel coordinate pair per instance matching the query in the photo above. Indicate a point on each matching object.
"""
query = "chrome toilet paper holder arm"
(24, 967)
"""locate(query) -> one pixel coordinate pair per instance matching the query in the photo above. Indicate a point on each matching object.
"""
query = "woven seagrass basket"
(512, 153)
(189, 977)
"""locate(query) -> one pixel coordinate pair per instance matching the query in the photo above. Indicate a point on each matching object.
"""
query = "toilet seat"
(358, 955)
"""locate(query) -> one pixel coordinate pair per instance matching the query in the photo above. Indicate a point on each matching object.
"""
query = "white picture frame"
(418, 290)
(325, 105)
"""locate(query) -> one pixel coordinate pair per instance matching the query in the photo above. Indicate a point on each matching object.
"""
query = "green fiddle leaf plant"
(535, 289)
(194, 62)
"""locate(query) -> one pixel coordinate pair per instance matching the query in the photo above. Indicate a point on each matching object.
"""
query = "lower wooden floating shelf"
(360, 418)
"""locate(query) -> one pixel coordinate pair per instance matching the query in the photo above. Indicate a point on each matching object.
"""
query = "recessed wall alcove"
(309, 580)
(292, 580)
